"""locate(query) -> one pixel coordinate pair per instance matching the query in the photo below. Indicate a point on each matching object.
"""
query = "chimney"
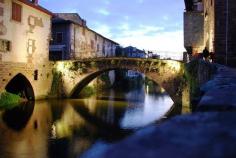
(35, 2)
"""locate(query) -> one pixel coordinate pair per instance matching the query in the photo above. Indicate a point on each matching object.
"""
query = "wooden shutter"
(16, 11)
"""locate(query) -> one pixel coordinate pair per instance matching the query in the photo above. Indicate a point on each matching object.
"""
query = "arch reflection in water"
(18, 117)
(31, 138)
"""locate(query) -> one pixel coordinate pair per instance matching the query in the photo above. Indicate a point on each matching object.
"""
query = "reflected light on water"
(141, 114)
(69, 121)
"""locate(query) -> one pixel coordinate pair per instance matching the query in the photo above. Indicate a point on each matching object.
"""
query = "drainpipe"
(227, 32)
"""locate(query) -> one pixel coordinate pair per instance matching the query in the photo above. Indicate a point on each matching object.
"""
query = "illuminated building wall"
(194, 37)
(209, 24)
(218, 30)
(24, 37)
(25, 32)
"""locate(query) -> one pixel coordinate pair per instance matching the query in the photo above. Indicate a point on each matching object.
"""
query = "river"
(80, 127)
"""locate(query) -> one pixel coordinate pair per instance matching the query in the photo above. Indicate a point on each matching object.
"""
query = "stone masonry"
(41, 86)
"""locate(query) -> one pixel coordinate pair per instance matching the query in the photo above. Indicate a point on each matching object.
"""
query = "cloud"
(160, 42)
(165, 17)
(126, 30)
(149, 24)
(103, 29)
(107, 2)
(103, 12)
(140, 1)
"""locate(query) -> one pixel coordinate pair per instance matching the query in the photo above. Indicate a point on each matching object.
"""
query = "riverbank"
(208, 132)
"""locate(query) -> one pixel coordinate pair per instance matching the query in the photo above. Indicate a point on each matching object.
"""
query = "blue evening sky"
(146, 24)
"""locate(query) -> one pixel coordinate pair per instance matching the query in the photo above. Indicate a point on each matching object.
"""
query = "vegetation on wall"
(103, 82)
(78, 67)
(197, 72)
(9, 100)
(87, 92)
(191, 74)
(56, 83)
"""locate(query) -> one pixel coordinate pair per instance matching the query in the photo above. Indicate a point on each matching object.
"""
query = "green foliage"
(74, 67)
(191, 72)
(163, 64)
(93, 64)
(87, 92)
(9, 100)
(55, 82)
(113, 62)
(104, 81)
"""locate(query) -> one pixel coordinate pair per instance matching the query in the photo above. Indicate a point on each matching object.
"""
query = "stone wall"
(41, 86)
(85, 43)
(194, 31)
(225, 36)
(209, 24)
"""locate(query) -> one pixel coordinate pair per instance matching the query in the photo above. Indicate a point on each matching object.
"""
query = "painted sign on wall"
(3, 29)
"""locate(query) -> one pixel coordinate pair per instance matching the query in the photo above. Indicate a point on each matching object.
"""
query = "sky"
(146, 24)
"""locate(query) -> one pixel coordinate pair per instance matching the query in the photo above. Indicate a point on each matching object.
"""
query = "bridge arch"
(19, 84)
(86, 80)
(169, 74)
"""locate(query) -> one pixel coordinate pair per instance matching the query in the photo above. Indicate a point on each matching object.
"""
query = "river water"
(80, 127)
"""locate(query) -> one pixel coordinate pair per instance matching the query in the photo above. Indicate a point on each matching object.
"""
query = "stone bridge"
(74, 75)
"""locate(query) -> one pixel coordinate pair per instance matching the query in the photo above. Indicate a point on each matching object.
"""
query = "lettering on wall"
(31, 49)
(3, 28)
(33, 22)
(31, 46)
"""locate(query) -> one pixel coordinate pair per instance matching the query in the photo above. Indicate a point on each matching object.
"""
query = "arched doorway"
(21, 85)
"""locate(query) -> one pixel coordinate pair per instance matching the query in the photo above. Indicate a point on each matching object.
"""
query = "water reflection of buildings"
(70, 131)
(30, 138)
(67, 128)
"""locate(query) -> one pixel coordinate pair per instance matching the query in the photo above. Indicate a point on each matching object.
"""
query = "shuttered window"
(16, 12)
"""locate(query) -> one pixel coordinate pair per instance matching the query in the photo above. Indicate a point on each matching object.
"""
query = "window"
(98, 48)
(96, 37)
(35, 75)
(5, 46)
(1, 11)
(84, 31)
(59, 37)
(92, 44)
(16, 12)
